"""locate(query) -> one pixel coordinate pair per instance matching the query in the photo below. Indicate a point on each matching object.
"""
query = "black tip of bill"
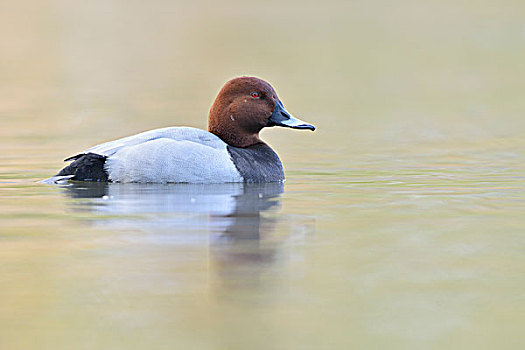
(302, 126)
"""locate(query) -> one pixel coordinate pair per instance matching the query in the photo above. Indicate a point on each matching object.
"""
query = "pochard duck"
(230, 151)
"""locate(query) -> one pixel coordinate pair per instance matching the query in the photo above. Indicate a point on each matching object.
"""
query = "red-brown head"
(243, 107)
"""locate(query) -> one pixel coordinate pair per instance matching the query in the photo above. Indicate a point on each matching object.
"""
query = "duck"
(230, 151)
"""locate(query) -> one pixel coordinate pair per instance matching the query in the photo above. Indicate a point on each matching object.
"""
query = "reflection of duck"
(236, 222)
(232, 210)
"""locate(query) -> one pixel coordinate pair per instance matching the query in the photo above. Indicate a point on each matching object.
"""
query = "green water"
(401, 224)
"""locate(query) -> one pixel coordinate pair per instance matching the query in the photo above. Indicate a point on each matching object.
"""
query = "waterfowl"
(230, 151)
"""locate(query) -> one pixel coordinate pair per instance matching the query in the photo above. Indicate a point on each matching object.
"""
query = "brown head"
(243, 107)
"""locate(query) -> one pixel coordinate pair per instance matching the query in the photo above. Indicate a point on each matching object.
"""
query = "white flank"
(175, 154)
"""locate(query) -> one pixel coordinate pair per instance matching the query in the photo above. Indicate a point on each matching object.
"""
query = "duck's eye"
(255, 94)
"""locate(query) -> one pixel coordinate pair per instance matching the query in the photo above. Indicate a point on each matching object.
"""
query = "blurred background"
(401, 224)
(396, 72)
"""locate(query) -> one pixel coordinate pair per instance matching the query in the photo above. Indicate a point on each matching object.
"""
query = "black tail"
(86, 167)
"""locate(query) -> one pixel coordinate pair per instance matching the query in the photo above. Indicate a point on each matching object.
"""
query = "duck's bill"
(281, 117)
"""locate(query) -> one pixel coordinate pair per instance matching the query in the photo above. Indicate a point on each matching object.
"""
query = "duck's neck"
(232, 133)
(235, 138)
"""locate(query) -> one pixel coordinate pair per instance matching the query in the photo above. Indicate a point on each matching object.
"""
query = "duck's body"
(175, 154)
(231, 151)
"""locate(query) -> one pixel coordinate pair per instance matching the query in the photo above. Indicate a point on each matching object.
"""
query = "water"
(401, 221)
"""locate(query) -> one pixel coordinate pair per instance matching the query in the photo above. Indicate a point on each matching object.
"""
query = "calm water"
(401, 223)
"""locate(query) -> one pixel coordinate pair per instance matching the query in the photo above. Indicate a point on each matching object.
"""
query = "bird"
(230, 151)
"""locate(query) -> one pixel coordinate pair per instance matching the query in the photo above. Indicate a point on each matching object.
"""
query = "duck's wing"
(169, 160)
(189, 134)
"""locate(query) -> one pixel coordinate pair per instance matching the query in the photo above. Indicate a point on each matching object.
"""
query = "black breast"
(86, 167)
(257, 163)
